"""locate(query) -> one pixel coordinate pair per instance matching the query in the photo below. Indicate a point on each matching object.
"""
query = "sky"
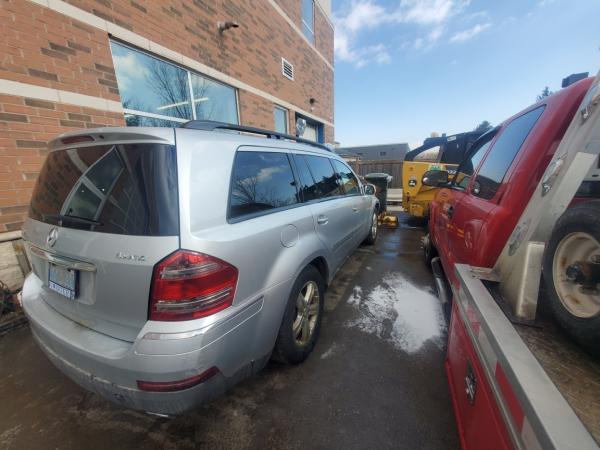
(407, 68)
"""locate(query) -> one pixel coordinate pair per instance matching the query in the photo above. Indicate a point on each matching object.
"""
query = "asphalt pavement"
(375, 380)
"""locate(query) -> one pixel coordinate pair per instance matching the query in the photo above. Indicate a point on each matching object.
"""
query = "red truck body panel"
(480, 424)
(468, 229)
(478, 229)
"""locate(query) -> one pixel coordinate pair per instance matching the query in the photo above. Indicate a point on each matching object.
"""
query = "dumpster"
(381, 181)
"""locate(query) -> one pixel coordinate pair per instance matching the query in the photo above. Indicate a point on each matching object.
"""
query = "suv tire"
(373, 230)
(301, 322)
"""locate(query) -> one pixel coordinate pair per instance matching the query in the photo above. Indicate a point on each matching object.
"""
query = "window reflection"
(123, 189)
(261, 181)
(213, 101)
(151, 85)
(347, 178)
(325, 177)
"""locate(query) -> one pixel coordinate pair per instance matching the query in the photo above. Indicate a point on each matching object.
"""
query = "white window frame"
(286, 114)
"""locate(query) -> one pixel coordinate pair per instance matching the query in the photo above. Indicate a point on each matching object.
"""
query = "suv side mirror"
(369, 189)
(435, 178)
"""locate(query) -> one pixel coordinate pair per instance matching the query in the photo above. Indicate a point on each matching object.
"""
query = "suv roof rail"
(211, 125)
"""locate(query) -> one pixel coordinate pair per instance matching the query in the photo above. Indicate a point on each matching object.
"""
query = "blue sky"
(405, 68)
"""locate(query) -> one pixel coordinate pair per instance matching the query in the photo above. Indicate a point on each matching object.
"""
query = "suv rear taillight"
(187, 285)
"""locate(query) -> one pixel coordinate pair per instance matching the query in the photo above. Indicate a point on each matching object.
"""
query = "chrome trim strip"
(62, 261)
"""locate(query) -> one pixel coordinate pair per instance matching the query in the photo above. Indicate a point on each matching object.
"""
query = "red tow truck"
(521, 346)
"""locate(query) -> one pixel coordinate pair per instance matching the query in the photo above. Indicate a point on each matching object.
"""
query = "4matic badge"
(130, 257)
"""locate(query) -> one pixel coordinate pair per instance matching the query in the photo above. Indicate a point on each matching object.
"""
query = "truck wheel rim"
(307, 313)
(579, 300)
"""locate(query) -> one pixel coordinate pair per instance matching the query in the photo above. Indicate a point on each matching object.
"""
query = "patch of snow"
(330, 351)
(400, 312)
(356, 296)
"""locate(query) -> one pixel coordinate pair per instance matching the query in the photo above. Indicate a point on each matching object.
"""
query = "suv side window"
(261, 181)
(324, 175)
(349, 181)
(465, 170)
(503, 153)
(307, 186)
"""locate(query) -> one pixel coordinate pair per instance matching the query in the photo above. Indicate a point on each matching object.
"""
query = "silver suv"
(168, 264)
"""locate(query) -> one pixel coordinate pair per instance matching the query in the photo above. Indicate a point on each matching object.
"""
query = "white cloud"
(266, 173)
(129, 70)
(428, 12)
(363, 15)
(470, 33)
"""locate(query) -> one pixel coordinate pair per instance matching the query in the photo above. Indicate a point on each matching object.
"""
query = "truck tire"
(301, 322)
(571, 273)
(429, 251)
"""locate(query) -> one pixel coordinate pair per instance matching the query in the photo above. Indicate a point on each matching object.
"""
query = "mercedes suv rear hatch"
(101, 217)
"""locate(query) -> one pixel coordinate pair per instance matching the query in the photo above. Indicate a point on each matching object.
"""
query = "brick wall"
(44, 48)
(251, 53)
(26, 125)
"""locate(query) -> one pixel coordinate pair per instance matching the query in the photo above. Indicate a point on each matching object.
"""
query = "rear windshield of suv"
(123, 189)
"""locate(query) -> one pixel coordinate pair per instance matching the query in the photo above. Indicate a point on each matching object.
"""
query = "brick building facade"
(71, 64)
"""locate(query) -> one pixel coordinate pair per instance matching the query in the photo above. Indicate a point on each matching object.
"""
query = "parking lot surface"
(375, 379)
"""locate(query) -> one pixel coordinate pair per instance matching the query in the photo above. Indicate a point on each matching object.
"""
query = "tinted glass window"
(123, 189)
(467, 167)
(261, 181)
(308, 188)
(430, 154)
(347, 178)
(503, 153)
(325, 177)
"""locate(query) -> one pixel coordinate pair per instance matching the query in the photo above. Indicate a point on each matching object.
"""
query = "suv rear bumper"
(161, 403)
(112, 367)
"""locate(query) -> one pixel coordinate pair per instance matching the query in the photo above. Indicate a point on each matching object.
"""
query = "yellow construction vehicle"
(436, 153)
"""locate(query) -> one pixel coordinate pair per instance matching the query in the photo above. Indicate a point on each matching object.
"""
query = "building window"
(157, 93)
(382, 153)
(308, 20)
(281, 119)
(313, 130)
(213, 101)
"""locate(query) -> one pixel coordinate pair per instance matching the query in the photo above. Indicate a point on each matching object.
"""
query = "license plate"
(63, 281)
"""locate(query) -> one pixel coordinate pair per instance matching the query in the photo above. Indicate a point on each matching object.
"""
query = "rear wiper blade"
(71, 219)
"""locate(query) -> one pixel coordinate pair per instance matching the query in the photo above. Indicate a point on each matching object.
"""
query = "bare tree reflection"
(171, 86)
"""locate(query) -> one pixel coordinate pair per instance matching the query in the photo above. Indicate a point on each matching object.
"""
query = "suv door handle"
(355, 209)
(450, 211)
(322, 220)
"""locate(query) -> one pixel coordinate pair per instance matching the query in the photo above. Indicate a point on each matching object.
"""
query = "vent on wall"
(287, 69)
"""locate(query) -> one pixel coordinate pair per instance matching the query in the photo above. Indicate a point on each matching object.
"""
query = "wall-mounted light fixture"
(224, 26)
(312, 102)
